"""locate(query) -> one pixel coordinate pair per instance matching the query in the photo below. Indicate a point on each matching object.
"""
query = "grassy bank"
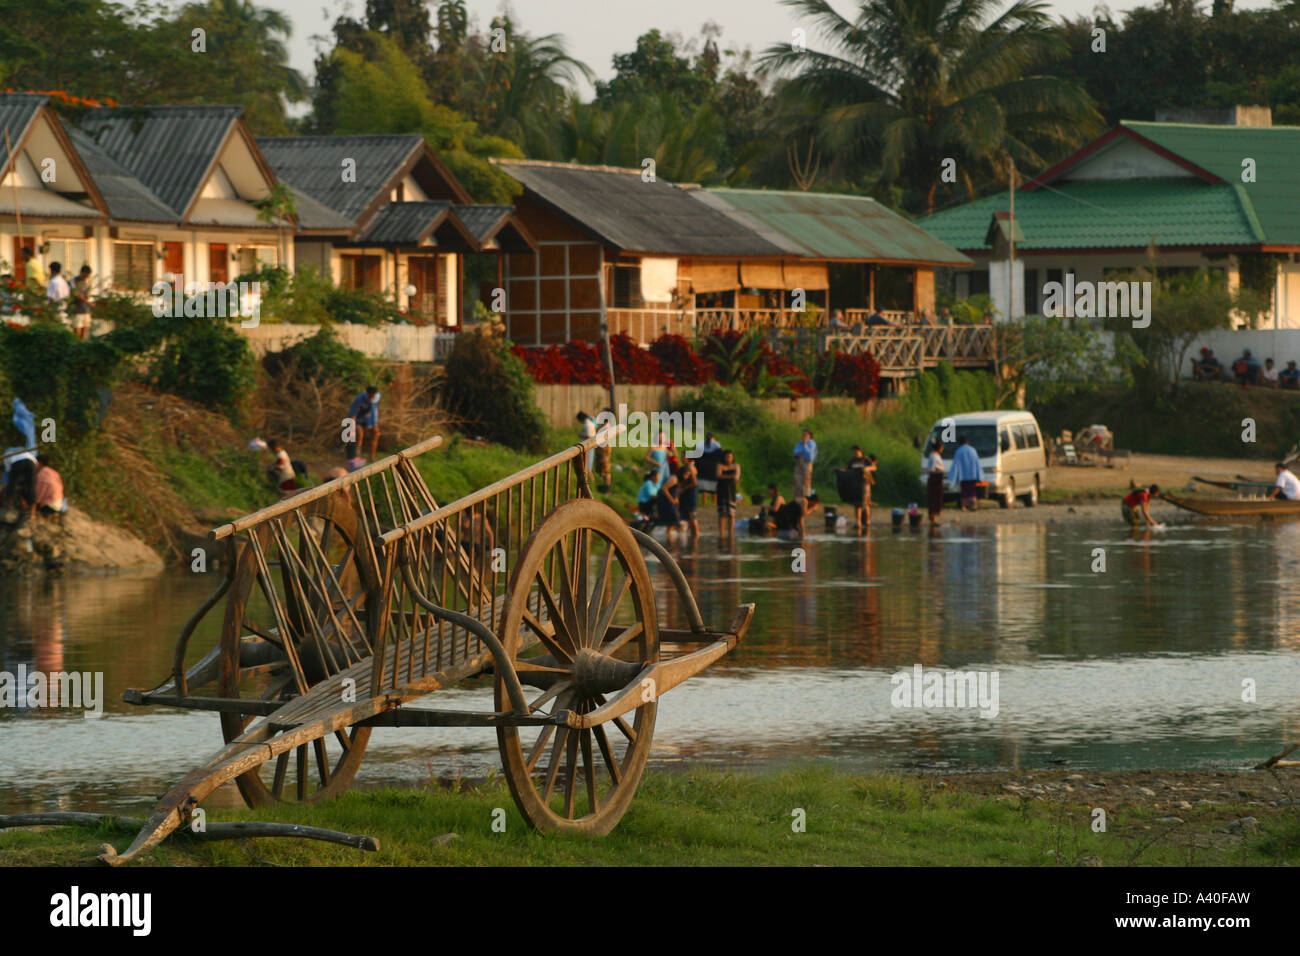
(1200, 419)
(714, 819)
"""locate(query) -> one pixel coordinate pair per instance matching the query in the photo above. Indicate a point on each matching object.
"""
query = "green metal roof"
(832, 226)
(1097, 214)
(1220, 150)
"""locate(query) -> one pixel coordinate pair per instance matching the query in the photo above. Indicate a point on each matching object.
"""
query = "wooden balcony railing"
(646, 325)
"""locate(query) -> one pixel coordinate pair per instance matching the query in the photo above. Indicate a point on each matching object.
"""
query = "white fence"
(393, 343)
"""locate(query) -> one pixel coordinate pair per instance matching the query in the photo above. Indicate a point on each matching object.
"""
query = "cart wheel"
(323, 768)
(581, 586)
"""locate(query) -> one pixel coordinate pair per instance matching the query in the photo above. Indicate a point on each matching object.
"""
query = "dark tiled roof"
(16, 113)
(126, 197)
(168, 148)
(405, 223)
(637, 216)
(314, 214)
(314, 165)
(481, 221)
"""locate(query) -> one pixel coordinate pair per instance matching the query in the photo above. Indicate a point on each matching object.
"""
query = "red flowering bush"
(680, 364)
(728, 357)
(857, 376)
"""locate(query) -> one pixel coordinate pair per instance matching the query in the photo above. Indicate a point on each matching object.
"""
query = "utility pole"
(1011, 236)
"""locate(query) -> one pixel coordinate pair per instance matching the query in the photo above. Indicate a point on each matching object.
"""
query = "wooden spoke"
(556, 690)
(302, 772)
(322, 762)
(281, 765)
(581, 559)
(607, 613)
(539, 746)
(607, 753)
(629, 632)
(547, 634)
(554, 768)
(571, 774)
(589, 772)
(553, 610)
(595, 606)
(568, 605)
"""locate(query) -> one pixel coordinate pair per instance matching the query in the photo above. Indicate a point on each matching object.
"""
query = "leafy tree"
(903, 86)
(384, 93)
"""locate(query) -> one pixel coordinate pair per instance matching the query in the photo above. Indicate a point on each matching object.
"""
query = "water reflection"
(1139, 665)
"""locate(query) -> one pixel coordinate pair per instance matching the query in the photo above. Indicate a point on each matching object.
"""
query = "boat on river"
(1236, 507)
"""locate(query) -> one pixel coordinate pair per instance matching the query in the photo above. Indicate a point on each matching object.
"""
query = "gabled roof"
(17, 110)
(315, 164)
(170, 149)
(20, 114)
(126, 197)
(830, 226)
(621, 209)
(1110, 213)
(407, 223)
(495, 227)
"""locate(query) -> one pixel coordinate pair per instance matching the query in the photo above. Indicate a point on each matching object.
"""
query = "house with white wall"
(1185, 196)
(386, 214)
(137, 193)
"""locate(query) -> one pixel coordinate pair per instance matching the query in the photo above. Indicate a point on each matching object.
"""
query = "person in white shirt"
(1287, 486)
(58, 288)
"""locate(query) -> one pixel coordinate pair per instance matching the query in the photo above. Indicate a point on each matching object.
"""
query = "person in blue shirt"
(364, 412)
(648, 495)
(966, 471)
(805, 455)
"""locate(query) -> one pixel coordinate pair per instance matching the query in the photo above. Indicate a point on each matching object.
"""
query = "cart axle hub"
(596, 673)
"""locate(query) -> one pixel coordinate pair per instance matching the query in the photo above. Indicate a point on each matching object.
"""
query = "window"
(71, 254)
(361, 272)
(627, 287)
(252, 258)
(1032, 291)
(981, 438)
(174, 258)
(133, 266)
(218, 264)
(1026, 437)
(977, 282)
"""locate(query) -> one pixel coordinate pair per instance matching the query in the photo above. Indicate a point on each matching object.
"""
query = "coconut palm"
(905, 84)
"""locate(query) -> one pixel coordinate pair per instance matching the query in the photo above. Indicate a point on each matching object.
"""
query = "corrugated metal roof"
(16, 113)
(1275, 192)
(127, 198)
(314, 214)
(405, 223)
(168, 148)
(314, 165)
(637, 216)
(45, 203)
(831, 226)
(1096, 214)
(482, 221)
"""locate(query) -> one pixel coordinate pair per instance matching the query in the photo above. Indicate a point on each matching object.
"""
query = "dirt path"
(1169, 471)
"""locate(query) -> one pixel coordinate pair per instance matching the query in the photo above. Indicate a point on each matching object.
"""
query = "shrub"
(212, 366)
(123, 309)
(360, 307)
(857, 376)
(726, 408)
(321, 357)
(489, 386)
(57, 374)
(678, 361)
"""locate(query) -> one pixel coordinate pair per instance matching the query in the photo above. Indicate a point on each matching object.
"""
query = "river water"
(1151, 663)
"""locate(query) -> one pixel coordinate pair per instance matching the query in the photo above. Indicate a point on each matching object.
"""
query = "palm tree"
(524, 86)
(906, 84)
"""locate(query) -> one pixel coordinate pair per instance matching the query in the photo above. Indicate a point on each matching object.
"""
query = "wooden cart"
(345, 602)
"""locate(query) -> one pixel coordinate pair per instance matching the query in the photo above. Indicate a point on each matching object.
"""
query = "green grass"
(708, 818)
(1201, 419)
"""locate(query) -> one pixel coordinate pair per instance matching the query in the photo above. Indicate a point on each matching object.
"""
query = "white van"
(1010, 446)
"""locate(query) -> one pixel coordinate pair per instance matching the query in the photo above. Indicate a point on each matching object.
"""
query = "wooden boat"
(1242, 486)
(1237, 507)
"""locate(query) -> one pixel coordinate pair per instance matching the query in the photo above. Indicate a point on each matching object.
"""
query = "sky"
(597, 29)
